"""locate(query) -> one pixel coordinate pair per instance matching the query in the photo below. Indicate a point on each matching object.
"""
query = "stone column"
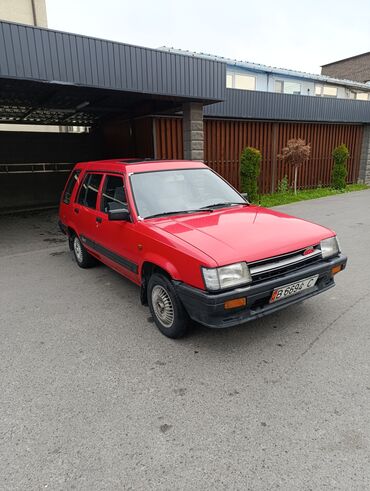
(193, 134)
(364, 175)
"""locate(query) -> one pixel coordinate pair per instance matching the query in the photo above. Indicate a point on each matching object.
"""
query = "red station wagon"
(197, 249)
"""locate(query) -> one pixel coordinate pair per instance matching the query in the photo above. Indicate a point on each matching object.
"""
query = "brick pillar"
(193, 134)
(364, 175)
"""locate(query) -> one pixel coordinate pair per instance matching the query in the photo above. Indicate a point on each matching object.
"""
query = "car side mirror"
(121, 214)
(245, 196)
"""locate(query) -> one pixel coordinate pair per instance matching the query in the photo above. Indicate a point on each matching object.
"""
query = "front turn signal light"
(233, 304)
(336, 269)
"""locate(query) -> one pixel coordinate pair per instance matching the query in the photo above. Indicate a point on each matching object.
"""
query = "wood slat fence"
(224, 141)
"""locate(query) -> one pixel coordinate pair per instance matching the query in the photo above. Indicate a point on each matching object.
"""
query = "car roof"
(138, 165)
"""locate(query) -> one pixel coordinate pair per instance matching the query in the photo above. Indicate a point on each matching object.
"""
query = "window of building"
(279, 86)
(284, 87)
(326, 91)
(89, 190)
(329, 91)
(73, 178)
(362, 96)
(240, 81)
(229, 81)
(245, 82)
(113, 195)
(292, 88)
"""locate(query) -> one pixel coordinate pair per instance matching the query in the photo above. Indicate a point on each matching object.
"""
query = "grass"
(276, 199)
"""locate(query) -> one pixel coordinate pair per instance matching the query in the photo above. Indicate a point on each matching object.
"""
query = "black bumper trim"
(208, 308)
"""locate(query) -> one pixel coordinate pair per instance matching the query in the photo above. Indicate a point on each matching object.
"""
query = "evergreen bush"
(250, 164)
(339, 172)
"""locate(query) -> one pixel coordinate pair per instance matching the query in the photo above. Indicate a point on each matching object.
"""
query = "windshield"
(181, 190)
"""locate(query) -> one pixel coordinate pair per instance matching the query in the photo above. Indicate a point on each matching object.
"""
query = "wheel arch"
(70, 234)
(154, 265)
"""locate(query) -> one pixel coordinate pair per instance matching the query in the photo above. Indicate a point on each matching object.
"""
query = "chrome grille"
(286, 263)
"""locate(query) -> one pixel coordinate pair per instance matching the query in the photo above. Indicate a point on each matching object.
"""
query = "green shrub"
(283, 185)
(339, 173)
(250, 162)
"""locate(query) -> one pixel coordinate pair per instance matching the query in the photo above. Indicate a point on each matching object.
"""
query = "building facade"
(32, 12)
(147, 103)
(353, 68)
(245, 75)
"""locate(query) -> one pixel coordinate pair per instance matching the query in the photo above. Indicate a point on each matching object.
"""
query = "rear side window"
(73, 178)
(113, 195)
(89, 190)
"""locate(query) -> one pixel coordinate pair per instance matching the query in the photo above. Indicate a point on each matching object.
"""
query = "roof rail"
(137, 161)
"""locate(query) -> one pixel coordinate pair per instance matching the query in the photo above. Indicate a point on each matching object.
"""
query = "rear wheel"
(83, 258)
(166, 308)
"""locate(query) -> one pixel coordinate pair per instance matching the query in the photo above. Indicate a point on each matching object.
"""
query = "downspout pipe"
(34, 12)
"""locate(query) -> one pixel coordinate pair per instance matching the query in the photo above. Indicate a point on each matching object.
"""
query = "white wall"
(21, 11)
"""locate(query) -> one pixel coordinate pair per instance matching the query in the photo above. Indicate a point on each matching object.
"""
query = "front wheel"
(166, 308)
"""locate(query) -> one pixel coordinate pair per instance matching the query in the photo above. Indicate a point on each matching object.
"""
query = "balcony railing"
(33, 168)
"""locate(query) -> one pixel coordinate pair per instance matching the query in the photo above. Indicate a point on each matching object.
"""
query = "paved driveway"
(94, 397)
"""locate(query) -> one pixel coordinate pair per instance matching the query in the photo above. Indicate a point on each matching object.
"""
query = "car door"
(116, 240)
(85, 208)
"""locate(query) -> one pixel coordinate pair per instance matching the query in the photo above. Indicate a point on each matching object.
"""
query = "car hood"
(243, 233)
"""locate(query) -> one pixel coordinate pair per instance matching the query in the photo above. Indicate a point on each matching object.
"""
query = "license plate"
(293, 288)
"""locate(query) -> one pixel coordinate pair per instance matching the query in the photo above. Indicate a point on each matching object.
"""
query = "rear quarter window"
(73, 178)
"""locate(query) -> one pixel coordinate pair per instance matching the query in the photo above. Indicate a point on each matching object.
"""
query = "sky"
(286, 33)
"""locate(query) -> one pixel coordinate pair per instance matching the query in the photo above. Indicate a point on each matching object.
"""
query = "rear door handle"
(76, 210)
(99, 219)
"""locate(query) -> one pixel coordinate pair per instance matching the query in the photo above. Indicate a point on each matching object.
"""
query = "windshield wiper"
(198, 210)
(225, 204)
(178, 212)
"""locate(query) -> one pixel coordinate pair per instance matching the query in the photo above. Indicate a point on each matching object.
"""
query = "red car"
(197, 249)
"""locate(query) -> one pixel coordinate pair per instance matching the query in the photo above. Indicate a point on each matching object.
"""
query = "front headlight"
(329, 247)
(226, 276)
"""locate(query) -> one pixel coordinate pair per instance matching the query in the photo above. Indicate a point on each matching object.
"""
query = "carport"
(55, 78)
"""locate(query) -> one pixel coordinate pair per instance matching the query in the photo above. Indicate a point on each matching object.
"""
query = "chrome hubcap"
(78, 249)
(162, 306)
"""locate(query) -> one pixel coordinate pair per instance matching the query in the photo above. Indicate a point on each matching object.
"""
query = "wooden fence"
(225, 139)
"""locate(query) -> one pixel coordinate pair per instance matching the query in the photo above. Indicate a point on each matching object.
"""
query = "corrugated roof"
(269, 69)
(44, 55)
(258, 105)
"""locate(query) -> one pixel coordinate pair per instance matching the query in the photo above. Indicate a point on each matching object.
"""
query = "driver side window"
(113, 194)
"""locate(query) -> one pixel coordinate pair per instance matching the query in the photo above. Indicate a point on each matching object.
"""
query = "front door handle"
(76, 210)
(99, 219)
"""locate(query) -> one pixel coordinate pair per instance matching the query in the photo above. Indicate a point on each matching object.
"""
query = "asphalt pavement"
(93, 397)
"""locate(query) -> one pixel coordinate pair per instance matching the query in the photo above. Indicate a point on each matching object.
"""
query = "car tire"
(166, 308)
(83, 258)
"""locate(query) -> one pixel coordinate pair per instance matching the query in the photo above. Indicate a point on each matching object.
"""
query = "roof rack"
(136, 161)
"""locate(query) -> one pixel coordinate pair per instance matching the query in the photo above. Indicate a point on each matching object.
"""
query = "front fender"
(162, 262)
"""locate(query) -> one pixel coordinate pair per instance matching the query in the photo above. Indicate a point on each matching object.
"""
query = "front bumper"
(208, 308)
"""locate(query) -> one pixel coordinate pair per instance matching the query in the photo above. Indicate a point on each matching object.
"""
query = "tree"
(339, 172)
(295, 153)
(250, 162)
